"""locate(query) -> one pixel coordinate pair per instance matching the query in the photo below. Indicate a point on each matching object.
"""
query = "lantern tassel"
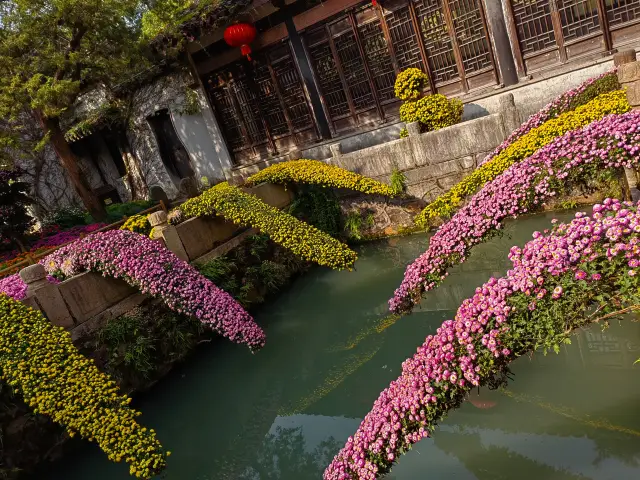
(246, 51)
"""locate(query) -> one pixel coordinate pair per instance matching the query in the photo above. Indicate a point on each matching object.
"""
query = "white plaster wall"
(203, 139)
(200, 133)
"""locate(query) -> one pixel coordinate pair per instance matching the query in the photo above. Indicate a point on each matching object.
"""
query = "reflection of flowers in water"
(481, 399)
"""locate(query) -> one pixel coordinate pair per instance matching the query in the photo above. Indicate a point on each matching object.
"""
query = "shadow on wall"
(473, 110)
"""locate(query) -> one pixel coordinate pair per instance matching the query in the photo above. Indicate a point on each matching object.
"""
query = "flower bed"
(577, 157)
(246, 210)
(446, 204)
(40, 246)
(315, 172)
(156, 271)
(40, 362)
(569, 100)
(582, 272)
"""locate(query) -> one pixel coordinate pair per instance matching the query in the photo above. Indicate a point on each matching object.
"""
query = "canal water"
(283, 414)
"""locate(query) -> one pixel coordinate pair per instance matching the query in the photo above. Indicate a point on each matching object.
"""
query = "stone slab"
(91, 326)
(275, 195)
(379, 160)
(201, 235)
(89, 294)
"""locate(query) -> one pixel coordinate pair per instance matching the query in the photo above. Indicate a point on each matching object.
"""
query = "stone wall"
(432, 162)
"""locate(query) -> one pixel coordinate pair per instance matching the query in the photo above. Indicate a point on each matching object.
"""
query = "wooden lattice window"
(468, 25)
(620, 12)
(376, 52)
(403, 35)
(437, 40)
(579, 18)
(534, 25)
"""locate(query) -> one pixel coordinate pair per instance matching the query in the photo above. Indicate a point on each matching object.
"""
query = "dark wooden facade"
(551, 32)
(355, 54)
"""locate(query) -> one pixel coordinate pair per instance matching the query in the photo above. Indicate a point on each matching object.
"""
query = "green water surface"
(283, 413)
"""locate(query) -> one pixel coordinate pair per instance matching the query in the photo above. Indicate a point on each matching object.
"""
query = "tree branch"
(74, 46)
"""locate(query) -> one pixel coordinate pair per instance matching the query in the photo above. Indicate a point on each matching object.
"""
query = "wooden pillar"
(308, 79)
(499, 40)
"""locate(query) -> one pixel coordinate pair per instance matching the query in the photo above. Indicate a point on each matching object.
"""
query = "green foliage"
(39, 361)
(51, 50)
(410, 84)
(247, 210)
(118, 211)
(320, 208)
(252, 271)
(14, 200)
(191, 105)
(139, 344)
(398, 181)
(607, 83)
(356, 221)
(65, 218)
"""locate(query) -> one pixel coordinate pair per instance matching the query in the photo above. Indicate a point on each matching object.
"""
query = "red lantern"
(241, 35)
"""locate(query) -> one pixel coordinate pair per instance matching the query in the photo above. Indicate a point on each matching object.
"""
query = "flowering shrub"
(156, 271)
(445, 204)
(13, 286)
(315, 172)
(569, 100)
(247, 210)
(433, 112)
(582, 272)
(40, 362)
(138, 224)
(579, 156)
(41, 246)
(410, 83)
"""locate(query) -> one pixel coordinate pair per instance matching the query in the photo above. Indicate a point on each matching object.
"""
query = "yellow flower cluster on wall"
(138, 224)
(40, 361)
(446, 204)
(319, 173)
(433, 112)
(248, 210)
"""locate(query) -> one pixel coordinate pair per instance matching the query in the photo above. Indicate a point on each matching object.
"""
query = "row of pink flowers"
(156, 271)
(610, 143)
(469, 350)
(551, 110)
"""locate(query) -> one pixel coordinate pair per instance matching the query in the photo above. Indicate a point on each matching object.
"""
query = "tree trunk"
(137, 183)
(92, 203)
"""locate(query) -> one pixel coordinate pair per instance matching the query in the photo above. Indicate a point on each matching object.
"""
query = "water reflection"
(284, 413)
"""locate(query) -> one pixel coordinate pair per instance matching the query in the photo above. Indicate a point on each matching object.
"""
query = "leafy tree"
(14, 219)
(53, 50)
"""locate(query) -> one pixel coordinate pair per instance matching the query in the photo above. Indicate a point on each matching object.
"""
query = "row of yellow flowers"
(40, 361)
(319, 173)
(248, 210)
(447, 203)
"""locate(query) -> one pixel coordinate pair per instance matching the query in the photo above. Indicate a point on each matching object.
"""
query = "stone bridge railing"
(86, 302)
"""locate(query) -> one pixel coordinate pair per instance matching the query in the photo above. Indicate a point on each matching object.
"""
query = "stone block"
(379, 160)
(629, 72)
(157, 219)
(91, 326)
(625, 56)
(462, 140)
(200, 235)
(336, 150)
(157, 194)
(50, 301)
(633, 93)
(509, 112)
(275, 195)
(89, 294)
(467, 163)
(413, 128)
(172, 241)
(226, 247)
(428, 190)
